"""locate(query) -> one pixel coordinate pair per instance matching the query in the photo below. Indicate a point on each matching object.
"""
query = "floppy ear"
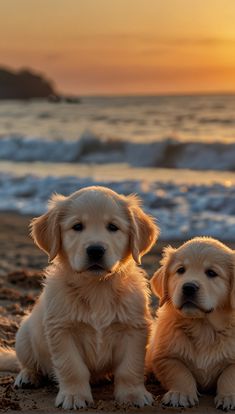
(159, 281)
(143, 233)
(45, 230)
(157, 284)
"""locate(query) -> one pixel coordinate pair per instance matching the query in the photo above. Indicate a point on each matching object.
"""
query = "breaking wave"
(90, 148)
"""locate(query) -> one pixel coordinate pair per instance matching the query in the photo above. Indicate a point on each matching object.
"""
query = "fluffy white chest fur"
(97, 315)
(208, 346)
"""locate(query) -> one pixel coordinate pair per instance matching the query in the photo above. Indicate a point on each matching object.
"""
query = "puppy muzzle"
(190, 289)
(190, 299)
(95, 256)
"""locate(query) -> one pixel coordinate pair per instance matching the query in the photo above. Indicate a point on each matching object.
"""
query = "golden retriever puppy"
(193, 341)
(93, 315)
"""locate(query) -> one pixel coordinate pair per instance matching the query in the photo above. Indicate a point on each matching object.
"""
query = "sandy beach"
(21, 265)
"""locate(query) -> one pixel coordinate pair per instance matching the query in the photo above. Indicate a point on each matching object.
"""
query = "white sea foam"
(182, 211)
(167, 153)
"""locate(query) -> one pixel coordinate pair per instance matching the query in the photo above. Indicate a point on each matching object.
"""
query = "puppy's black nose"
(189, 289)
(95, 252)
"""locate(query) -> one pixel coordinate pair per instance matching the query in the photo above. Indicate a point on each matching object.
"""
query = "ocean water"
(178, 153)
(133, 119)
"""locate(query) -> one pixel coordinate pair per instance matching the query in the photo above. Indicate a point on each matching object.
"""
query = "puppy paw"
(72, 401)
(225, 402)
(27, 379)
(137, 396)
(179, 399)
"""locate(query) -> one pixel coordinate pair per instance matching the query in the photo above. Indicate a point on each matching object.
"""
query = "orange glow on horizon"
(123, 47)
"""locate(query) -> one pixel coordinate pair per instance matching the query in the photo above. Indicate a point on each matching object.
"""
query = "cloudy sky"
(123, 46)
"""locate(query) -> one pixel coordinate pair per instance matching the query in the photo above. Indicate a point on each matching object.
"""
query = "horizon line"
(160, 95)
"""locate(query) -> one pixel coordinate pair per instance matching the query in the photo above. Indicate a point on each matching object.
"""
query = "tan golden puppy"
(93, 314)
(193, 342)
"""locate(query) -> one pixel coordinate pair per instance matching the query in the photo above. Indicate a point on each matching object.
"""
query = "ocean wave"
(182, 211)
(90, 148)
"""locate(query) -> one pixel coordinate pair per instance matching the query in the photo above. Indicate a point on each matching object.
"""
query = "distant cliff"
(24, 84)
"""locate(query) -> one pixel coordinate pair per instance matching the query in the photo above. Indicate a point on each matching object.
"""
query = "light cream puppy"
(93, 314)
(193, 342)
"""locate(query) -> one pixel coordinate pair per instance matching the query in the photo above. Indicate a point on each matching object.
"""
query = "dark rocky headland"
(24, 84)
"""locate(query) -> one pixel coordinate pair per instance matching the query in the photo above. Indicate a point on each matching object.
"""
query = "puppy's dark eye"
(181, 270)
(211, 273)
(78, 227)
(112, 227)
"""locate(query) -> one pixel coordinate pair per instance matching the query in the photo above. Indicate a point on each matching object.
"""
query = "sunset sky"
(123, 46)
